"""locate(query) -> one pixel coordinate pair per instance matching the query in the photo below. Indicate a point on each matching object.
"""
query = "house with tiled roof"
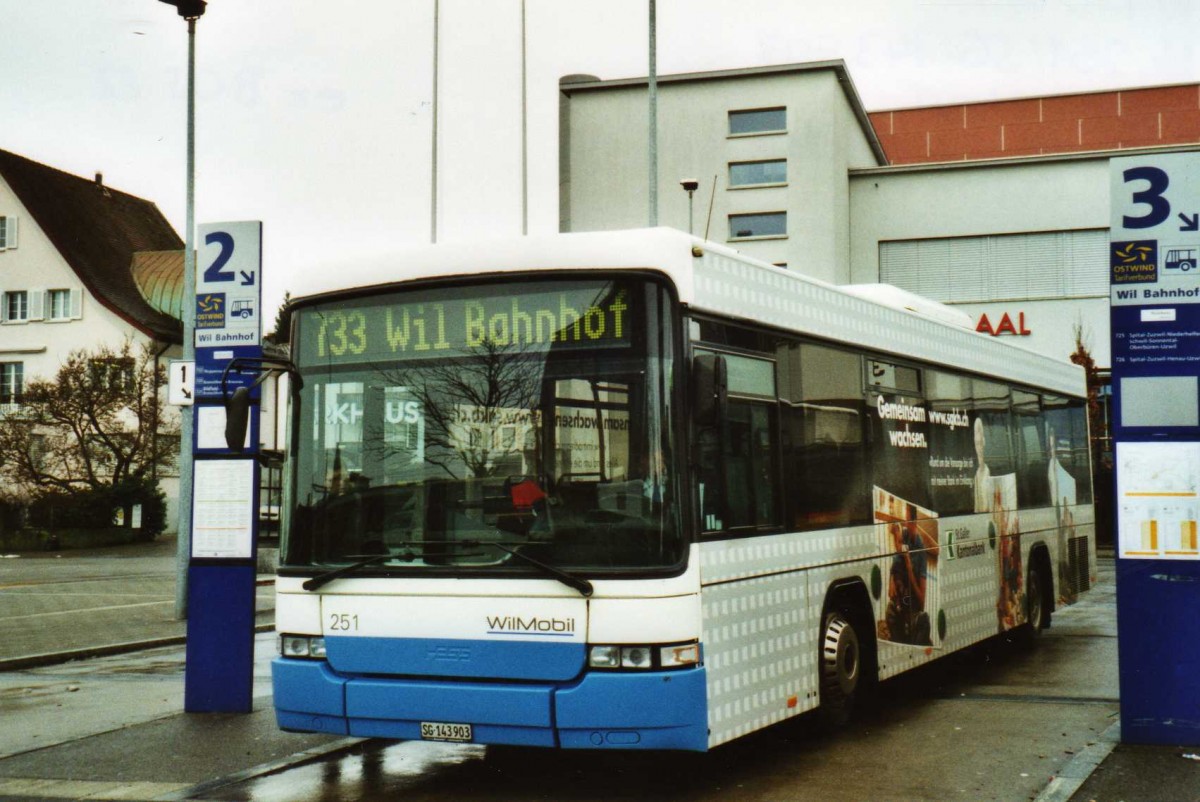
(81, 264)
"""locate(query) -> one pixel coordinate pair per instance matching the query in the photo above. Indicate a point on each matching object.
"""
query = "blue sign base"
(219, 676)
(1158, 632)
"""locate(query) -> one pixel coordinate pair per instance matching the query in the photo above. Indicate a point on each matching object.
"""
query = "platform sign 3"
(1154, 283)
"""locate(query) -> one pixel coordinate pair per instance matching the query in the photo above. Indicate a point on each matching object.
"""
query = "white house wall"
(42, 345)
(37, 265)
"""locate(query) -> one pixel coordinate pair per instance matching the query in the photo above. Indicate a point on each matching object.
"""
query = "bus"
(635, 490)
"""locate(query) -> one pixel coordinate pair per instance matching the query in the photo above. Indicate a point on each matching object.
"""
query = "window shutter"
(76, 304)
(37, 304)
(12, 232)
(4, 307)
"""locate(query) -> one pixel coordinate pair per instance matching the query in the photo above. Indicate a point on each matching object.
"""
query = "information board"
(223, 509)
(1155, 294)
(1154, 264)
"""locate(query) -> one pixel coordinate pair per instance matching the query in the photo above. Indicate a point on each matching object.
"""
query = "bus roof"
(717, 279)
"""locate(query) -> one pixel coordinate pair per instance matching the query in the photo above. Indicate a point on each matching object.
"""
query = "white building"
(779, 143)
(76, 257)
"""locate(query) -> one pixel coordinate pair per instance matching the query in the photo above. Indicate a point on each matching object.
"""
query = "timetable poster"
(223, 509)
(1157, 500)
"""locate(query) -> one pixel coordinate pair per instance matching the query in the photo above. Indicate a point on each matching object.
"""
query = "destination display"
(512, 318)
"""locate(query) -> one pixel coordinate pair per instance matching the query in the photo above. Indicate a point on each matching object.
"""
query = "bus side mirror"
(710, 389)
(237, 416)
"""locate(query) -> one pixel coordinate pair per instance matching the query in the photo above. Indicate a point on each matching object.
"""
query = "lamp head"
(188, 9)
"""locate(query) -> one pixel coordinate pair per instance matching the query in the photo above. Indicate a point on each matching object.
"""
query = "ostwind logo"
(1134, 262)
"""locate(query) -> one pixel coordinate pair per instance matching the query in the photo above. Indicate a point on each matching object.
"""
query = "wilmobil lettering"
(519, 625)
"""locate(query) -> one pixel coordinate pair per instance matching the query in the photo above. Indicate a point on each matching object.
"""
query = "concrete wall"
(605, 162)
(971, 200)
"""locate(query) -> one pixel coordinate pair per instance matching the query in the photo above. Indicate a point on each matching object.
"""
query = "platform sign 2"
(1154, 282)
(221, 572)
(228, 302)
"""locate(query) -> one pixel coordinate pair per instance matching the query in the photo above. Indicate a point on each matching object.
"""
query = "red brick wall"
(1134, 118)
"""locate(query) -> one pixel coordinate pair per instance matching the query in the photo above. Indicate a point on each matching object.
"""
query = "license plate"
(444, 731)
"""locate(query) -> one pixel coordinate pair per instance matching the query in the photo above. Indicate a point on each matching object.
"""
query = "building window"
(12, 382)
(762, 224)
(758, 121)
(749, 174)
(8, 232)
(115, 374)
(16, 306)
(58, 304)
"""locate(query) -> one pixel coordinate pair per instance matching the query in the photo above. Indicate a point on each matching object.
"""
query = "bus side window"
(993, 407)
(738, 474)
(1033, 450)
(749, 462)
(824, 453)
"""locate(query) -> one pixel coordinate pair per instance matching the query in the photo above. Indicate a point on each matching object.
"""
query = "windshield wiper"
(323, 579)
(570, 580)
(327, 577)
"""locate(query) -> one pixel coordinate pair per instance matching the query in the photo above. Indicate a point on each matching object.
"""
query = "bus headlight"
(636, 657)
(605, 657)
(302, 646)
(644, 658)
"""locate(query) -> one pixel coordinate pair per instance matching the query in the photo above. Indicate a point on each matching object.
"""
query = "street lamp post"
(190, 10)
(690, 185)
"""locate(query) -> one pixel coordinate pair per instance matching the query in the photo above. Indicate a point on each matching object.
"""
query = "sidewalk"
(114, 728)
(57, 606)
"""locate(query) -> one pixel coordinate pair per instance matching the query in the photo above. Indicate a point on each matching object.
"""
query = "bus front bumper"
(602, 710)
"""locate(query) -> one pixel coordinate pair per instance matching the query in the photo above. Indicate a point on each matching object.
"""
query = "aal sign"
(1005, 325)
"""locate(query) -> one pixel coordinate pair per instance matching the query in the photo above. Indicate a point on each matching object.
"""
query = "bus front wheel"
(841, 669)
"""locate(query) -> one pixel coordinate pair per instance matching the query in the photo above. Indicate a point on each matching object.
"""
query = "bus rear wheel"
(841, 669)
(1037, 613)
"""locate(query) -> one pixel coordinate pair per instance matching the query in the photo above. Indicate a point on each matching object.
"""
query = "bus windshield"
(450, 426)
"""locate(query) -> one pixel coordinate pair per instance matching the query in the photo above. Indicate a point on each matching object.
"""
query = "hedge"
(68, 538)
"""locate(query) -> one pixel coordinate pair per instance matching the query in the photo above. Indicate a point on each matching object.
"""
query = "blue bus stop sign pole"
(219, 672)
(1155, 297)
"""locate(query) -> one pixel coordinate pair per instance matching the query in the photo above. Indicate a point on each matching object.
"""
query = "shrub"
(97, 509)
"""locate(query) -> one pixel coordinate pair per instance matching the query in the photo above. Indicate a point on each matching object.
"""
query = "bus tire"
(1037, 609)
(841, 669)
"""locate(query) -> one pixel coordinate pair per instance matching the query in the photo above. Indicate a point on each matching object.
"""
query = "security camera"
(690, 184)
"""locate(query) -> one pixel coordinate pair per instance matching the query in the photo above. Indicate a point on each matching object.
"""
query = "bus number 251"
(343, 622)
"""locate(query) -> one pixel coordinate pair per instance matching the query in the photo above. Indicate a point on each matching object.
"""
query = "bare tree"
(465, 400)
(96, 424)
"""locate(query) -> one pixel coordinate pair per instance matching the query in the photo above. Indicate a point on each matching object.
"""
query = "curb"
(55, 658)
(261, 770)
(1075, 773)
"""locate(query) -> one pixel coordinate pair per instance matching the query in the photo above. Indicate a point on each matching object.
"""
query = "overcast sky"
(314, 117)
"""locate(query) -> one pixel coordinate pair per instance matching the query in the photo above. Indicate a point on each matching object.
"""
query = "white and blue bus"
(634, 490)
